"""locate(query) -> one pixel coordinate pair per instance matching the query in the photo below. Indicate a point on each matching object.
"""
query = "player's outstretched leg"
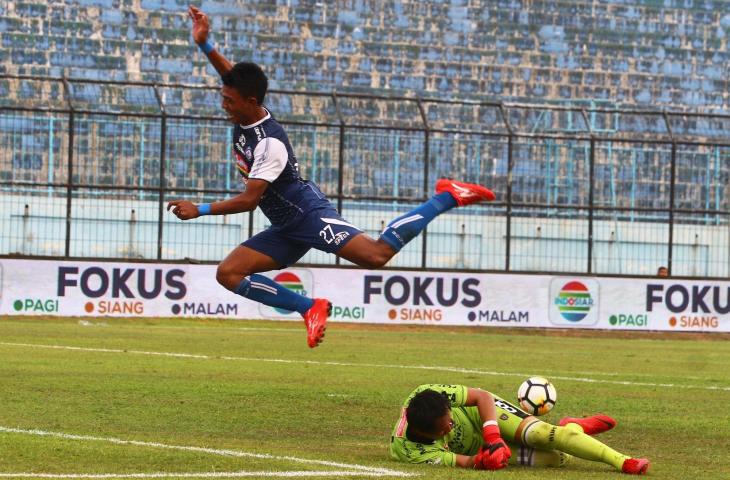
(591, 425)
(264, 290)
(572, 440)
(533, 457)
(238, 273)
(449, 194)
(635, 466)
(464, 193)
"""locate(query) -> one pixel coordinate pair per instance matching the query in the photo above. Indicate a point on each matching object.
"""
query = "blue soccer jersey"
(263, 152)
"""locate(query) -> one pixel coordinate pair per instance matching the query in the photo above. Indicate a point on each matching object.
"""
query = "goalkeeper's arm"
(201, 29)
(494, 453)
(484, 401)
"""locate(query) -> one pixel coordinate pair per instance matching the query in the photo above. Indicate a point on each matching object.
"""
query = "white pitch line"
(361, 469)
(298, 331)
(438, 368)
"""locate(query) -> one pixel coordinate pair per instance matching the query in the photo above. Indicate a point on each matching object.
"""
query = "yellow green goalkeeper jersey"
(464, 439)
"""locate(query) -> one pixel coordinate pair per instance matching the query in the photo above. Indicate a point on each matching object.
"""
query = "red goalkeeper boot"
(316, 321)
(591, 425)
(465, 193)
(635, 466)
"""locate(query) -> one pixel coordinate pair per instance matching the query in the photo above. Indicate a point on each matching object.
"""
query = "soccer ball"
(537, 396)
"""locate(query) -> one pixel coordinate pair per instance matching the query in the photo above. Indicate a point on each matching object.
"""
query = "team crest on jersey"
(242, 165)
(248, 153)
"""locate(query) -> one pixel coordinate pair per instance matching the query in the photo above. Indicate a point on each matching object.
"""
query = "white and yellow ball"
(537, 396)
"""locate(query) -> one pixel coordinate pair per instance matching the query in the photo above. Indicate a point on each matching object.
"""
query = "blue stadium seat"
(662, 53)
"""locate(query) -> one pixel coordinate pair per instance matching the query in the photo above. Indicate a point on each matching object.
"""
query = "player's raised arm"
(201, 30)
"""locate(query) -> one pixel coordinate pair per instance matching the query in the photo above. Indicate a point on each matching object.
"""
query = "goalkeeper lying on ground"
(459, 426)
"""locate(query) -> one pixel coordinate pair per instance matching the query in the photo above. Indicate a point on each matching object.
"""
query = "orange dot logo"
(673, 322)
(392, 314)
(89, 307)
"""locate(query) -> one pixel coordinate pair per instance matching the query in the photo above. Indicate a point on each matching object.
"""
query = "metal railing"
(578, 171)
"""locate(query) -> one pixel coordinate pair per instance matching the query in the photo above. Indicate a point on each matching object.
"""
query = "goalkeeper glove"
(494, 454)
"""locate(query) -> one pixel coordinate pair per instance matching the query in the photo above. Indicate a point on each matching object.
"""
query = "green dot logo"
(613, 320)
(18, 305)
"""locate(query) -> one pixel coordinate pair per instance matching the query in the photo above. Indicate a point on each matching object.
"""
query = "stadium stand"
(670, 52)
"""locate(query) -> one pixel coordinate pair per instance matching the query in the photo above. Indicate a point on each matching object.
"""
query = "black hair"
(248, 79)
(425, 408)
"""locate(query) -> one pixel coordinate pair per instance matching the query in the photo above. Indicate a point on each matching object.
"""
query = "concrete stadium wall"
(463, 239)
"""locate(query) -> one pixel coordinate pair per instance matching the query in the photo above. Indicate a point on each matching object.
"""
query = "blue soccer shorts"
(323, 229)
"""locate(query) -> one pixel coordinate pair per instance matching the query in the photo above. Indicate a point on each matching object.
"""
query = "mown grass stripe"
(438, 368)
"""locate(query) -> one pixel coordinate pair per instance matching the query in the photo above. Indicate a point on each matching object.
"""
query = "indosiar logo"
(299, 281)
(574, 303)
(293, 283)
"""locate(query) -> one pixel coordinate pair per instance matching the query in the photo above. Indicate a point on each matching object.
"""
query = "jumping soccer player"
(301, 216)
(454, 425)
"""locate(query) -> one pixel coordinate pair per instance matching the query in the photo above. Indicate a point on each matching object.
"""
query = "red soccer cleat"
(316, 321)
(635, 466)
(591, 425)
(465, 193)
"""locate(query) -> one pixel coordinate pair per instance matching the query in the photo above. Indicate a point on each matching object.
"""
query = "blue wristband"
(206, 47)
(204, 209)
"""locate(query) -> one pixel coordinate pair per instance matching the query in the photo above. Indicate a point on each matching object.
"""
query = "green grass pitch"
(250, 399)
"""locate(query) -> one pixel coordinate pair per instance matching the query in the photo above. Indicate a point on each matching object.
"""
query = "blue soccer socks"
(406, 227)
(264, 290)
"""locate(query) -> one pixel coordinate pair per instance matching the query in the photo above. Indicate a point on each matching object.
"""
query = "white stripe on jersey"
(335, 221)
